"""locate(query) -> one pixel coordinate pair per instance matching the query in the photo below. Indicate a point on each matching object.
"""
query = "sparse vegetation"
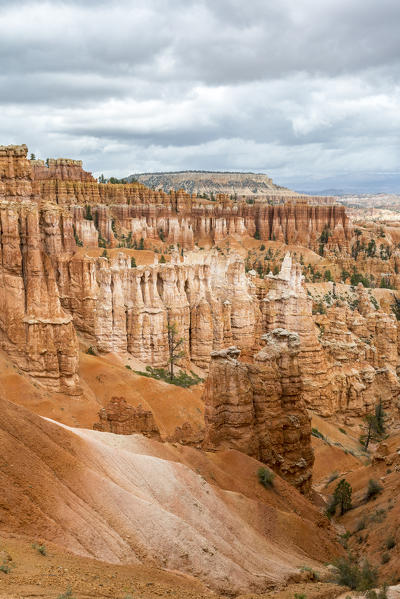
(381, 594)
(373, 490)
(266, 477)
(5, 567)
(315, 433)
(40, 548)
(351, 574)
(361, 524)
(390, 543)
(91, 351)
(67, 594)
(183, 379)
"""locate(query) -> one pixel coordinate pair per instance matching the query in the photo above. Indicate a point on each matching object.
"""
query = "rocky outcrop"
(60, 169)
(348, 357)
(259, 409)
(121, 418)
(15, 173)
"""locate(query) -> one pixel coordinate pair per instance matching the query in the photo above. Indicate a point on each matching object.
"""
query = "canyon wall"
(52, 285)
(34, 329)
(178, 217)
(208, 297)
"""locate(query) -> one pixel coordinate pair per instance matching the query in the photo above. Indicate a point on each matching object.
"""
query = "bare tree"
(174, 345)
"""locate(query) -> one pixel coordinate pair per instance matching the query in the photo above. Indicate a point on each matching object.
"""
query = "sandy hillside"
(129, 500)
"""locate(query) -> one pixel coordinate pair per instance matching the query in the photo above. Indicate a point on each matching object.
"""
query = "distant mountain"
(346, 183)
(211, 182)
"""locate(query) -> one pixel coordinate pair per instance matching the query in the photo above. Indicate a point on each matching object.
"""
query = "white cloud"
(293, 88)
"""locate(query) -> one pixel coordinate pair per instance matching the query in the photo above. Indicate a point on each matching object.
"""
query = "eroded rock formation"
(348, 357)
(180, 217)
(259, 409)
(50, 287)
(34, 329)
(121, 418)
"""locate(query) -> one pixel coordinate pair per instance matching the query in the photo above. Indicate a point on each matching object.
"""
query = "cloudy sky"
(307, 91)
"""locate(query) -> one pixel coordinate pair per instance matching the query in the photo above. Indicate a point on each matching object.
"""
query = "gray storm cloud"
(299, 89)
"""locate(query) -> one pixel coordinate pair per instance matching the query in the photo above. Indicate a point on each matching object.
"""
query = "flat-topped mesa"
(60, 169)
(259, 409)
(15, 173)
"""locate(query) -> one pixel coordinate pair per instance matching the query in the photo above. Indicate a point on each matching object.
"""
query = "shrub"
(373, 490)
(40, 548)
(385, 558)
(315, 433)
(266, 477)
(378, 516)
(183, 379)
(331, 507)
(5, 567)
(361, 524)
(390, 542)
(332, 477)
(91, 351)
(382, 594)
(350, 574)
(67, 594)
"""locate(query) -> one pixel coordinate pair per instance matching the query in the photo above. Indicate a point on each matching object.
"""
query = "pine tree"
(133, 262)
(374, 425)
(174, 345)
(162, 260)
(342, 496)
